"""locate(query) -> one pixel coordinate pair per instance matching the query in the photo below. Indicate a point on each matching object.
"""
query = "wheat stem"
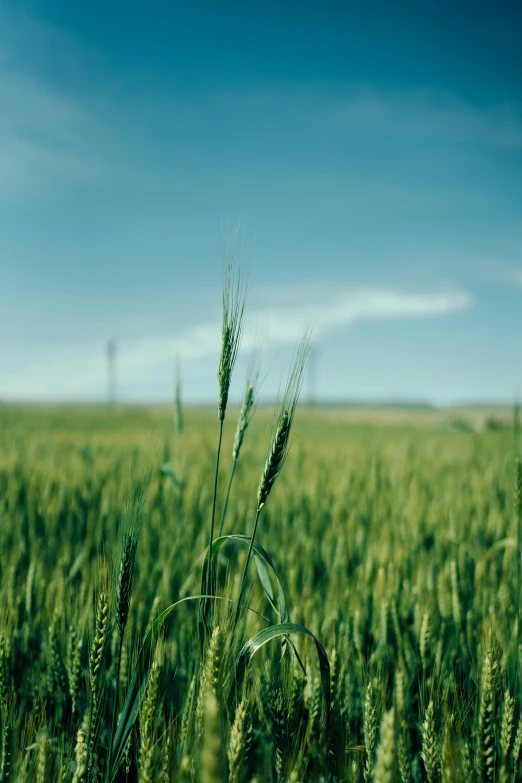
(245, 567)
(225, 504)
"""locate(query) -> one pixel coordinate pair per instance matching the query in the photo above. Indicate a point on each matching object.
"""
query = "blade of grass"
(249, 650)
(262, 560)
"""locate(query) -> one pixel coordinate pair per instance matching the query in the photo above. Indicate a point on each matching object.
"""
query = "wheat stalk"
(430, 746)
(370, 731)
(385, 767)
(245, 415)
(507, 728)
(278, 445)
(234, 299)
(239, 742)
(211, 767)
(485, 759)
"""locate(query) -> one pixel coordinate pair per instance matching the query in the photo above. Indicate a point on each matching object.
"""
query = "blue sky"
(371, 152)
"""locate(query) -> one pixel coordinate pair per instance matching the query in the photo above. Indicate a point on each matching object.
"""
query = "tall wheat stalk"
(234, 299)
(129, 538)
(278, 446)
(245, 415)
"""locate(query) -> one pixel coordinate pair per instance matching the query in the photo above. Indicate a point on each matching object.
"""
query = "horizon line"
(399, 403)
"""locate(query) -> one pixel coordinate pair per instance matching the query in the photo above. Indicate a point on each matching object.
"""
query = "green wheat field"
(259, 595)
(394, 544)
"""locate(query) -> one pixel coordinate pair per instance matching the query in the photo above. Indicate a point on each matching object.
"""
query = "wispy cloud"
(283, 316)
(332, 309)
(513, 274)
(423, 115)
(45, 138)
(433, 115)
(48, 136)
(502, 272)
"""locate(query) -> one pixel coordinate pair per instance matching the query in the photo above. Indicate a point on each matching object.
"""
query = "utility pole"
(111, 371)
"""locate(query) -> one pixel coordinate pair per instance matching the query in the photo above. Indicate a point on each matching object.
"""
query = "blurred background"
(368, 157)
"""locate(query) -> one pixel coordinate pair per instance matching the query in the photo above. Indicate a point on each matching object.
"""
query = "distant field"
(477, 416)
(393, 532)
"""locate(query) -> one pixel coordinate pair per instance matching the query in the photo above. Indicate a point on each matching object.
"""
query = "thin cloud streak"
(83, 377)
(514, 274)
(412, 114)
(342, 309)
(48, 138)
(435, 115)
(503, 273)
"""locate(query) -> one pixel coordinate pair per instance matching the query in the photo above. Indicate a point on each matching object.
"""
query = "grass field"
(394, 541)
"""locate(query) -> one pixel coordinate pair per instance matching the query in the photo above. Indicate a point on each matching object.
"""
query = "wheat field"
(395, 546)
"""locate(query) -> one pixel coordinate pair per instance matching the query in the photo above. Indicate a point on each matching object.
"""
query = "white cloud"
(330, 309)
(67, 375)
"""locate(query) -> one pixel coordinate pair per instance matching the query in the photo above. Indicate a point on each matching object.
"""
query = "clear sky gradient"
(371, 152)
